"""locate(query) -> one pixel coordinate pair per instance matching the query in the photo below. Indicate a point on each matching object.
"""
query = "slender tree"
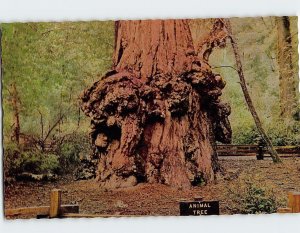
(156, 115)
(15, 102)
(248, 99)
(1, 70)
(287, 78)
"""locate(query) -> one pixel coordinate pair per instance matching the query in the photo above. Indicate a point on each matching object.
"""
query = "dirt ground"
(146, 199)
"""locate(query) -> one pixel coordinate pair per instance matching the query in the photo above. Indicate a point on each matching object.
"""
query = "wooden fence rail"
(56, 210)
(248, 150)
(40, 210)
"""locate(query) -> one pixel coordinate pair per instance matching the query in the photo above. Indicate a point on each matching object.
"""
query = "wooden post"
(55, 203)
(290, 200)
(294, 201)
(198, 198)
(296, 207)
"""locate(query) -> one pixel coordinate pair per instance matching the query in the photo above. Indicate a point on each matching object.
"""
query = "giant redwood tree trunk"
(155, 117)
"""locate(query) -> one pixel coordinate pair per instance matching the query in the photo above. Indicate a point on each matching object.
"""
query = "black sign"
(199, 208)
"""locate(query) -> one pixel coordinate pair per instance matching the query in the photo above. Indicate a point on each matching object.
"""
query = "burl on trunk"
(156, 115)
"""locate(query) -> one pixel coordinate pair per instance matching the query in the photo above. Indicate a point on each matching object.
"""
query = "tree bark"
(1, 68)
(287, 78)
(155, 117)
(16, 114)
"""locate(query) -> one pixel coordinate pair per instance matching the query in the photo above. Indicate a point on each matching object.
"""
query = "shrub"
(50, 163)
(280, 134)
(11, 152)
(61, 160)
(248, 197)
(70, 150)
(258, 201)
(16, 162)
(68, 156)
(245, 136)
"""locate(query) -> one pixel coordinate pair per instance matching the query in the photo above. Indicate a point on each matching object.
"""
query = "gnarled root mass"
(156, 132)
(159, 129)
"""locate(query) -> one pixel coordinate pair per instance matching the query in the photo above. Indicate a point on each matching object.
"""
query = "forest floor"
(149, 199)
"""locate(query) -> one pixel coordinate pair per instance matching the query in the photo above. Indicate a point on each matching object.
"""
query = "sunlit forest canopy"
(258, 42)
(50, 64)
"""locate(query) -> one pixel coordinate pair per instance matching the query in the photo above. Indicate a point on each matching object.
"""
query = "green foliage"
(71, 149)
(11, 152)
(257, 40)
(69, 156)
(69, 153)
(49, 163)
(51, 64)
(248, 197)
(257, 201)
(35, 162)
(282, 135)
(60, 161)
(246, 136)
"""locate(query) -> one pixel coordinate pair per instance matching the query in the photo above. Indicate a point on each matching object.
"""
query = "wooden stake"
(55, 203)
(1, 69)
(294, 201)
(296, 207)
(290, 200)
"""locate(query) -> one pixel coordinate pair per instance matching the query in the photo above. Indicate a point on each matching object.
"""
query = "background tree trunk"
(287, 78)
(1, 68)
(16, 118)
(156, 115)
